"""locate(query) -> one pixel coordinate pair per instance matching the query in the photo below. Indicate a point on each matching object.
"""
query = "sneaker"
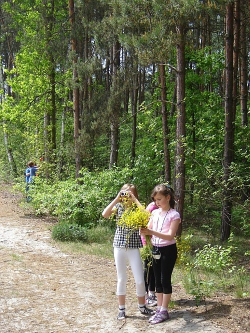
(121, 315)
(152, 318)
(151, 300)
(160, 317)
(146, 311)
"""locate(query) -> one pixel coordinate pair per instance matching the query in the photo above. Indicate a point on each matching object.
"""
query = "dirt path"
(43, 290)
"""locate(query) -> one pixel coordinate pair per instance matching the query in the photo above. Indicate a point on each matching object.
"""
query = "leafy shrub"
(197, 285)
(69, 201)
(213, 258)
(79, 202)
(100, 234)
(212, 268)
(66, 232)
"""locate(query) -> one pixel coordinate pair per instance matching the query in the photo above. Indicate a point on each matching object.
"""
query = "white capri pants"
(122, 257)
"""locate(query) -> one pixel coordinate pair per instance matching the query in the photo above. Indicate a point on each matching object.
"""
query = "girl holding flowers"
(162, 226)
(127, 242)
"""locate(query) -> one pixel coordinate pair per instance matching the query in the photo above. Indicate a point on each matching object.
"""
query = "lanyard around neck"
(164, 218)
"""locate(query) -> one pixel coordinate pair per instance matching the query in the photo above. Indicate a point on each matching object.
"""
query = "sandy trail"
(43, 290)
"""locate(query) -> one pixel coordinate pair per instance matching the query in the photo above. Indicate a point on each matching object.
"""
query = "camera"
(156, 254)
(124, 194)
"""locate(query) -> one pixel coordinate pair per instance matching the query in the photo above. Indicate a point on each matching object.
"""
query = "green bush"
(66, 232)
(79, 202)
(199, 285)
(215, 267)
(101, 235)
(69, 201)
(213, 258)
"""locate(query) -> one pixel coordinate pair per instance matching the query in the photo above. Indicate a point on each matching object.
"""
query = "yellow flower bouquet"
(133, 219)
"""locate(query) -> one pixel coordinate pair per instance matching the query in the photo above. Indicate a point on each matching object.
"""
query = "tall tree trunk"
(53, 105)
(134, 98)
(243, 64)
(76, 102)
(114, 141)
(243, 61)
(179, 173)
(165, 129)
(46, 141)
(229, 125)
(10, 157)
(61, 155)
(126, 79)
(50, 112)
(192, 167)
(52, 73)
(115, 106)
(141, 82)
(11, 160)
(10, 61)
(173, 104)
(236, 40)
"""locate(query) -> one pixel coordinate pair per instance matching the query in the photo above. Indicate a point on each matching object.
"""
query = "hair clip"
(168, 187)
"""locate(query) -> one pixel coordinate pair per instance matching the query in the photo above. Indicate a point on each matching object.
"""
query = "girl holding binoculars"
(126, 249)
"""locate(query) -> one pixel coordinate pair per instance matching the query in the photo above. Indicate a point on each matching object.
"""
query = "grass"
(104, 250)
(99, 243)
(16, 257)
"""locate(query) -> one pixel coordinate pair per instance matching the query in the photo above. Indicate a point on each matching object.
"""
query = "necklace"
(162, 220)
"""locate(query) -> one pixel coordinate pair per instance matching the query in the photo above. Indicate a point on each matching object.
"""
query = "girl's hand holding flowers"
(146, 251)
(145, 232)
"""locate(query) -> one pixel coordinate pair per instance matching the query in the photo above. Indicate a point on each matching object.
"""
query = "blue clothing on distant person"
(27, 175)
(33, 171)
